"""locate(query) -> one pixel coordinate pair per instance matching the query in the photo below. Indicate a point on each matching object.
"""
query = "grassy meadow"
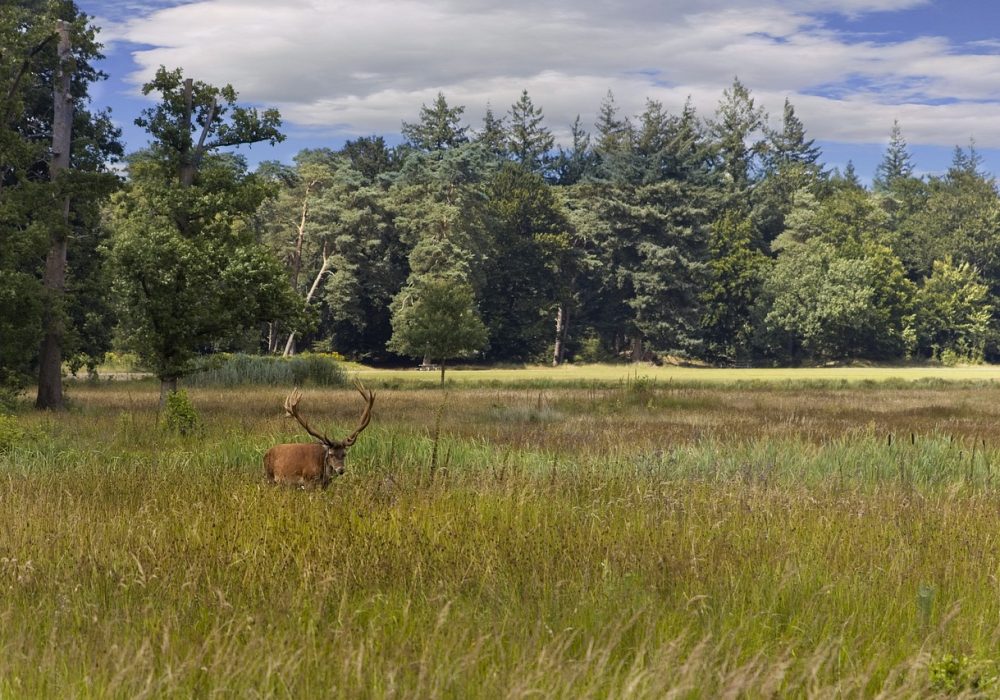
(596, 537)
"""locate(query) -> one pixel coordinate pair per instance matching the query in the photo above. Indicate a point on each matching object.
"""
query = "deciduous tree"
(189, 271)
(439, 320)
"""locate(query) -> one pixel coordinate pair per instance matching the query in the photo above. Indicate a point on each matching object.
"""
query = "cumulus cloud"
(359, 68)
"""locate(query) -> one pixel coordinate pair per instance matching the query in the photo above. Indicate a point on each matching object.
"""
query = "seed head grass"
(572, 542)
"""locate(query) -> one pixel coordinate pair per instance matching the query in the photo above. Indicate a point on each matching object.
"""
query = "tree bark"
(290, 345)
(272, 338)
(168, 385)
(442, 373)
(300, 234)
(50, 389)
(185, 170)
(637, 349)
(562, 326)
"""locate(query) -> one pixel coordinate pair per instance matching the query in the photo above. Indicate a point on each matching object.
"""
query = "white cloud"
(361, 68)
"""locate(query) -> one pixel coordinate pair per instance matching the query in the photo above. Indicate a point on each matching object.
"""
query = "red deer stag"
(313, 464)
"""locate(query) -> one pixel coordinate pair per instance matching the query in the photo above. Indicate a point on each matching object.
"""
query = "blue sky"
(338, 69)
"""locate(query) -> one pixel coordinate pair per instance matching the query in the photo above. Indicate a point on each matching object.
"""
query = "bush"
(11, 433)
(591, 350)
(8, 399)
(267, 370)
(955, 675)
(180, 415)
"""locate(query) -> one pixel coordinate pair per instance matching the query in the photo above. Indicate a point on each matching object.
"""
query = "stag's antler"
(366, 417)
(291, 408)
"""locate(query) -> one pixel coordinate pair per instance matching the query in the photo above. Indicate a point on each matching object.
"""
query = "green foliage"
(523, 268)
(11, 433)
(493, 135)
(438, 319)
(31, 203)
(268, 370)
(333, 225)
(179, 414)
(738, 130)
(591, 350)
(951, 314)
(737, 270)
(819, 303)
(176, 140)
(529, 142)
(440, 210)
(657, 234)
(439, 127)
(189, 272)
(963, 675)
(897, 163)
(661, 260)
(179, 291)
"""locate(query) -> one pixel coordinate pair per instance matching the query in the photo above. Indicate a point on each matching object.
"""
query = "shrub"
(960, 674)
(180, 415)
(8, 399)
(266, 370)
(10, 433)
(591, 350)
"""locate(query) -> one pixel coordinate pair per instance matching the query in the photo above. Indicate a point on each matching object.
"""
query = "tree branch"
(20, 75)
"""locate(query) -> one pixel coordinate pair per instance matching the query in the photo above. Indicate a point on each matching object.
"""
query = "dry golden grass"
(635, 540)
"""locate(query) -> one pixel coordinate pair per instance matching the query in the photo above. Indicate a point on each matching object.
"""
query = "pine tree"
(529, 142)
(665, 263)
(653, 134)
(494, 134)
(671, 147)
(371, 157)
(790, 147)
(574, 164)
(897, 163)
(737, 269)
(850, 176)
(791, 166)
(440, 213)
(439, 127)
(738, 132)
(614, 135)
(522, 271)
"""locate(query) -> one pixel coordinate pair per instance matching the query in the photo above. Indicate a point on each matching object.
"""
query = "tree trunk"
(562, 326)
(272, 338)
(290, 345)
(185, 167)
(637, 349)
(442, 374)
(168, 385)
(50, 389)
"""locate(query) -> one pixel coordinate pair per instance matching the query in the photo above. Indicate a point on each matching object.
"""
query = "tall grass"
(266, 370)
(825, 563)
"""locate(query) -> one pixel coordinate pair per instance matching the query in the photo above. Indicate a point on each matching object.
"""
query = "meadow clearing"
(517, 535)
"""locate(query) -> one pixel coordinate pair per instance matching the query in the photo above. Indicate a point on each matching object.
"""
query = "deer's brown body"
(303, 464)
(312, 464)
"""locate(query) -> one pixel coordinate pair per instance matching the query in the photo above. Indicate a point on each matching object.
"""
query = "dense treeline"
(720, 237)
